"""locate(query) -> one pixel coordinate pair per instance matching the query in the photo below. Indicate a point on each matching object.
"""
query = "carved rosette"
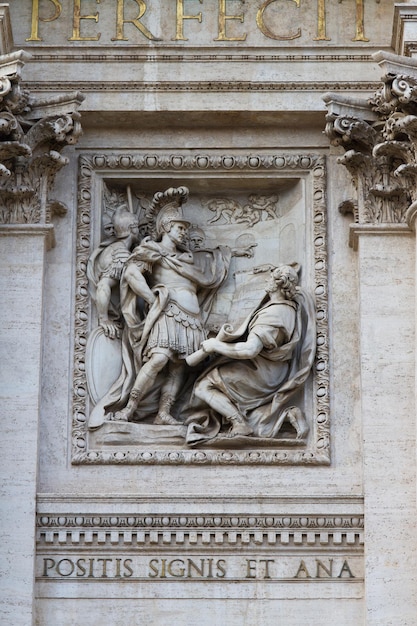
(380, 140)
(30, 146)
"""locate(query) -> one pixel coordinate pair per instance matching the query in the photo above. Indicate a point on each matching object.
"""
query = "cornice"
(395, 64)
(52, 500)
(30, 230)
(358, 230)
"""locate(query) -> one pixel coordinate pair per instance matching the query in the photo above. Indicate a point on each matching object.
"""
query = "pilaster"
(404, 35)
(32, 134)
(387, 339)
(379, 139)
(22, 257)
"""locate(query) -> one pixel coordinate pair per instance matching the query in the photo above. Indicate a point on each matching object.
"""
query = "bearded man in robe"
(245, 391)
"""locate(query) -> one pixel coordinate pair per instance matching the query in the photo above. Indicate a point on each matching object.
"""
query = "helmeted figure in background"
(176, 288)
(105, 267)
(245, 392)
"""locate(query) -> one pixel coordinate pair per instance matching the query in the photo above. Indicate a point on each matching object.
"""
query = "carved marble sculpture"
(153, 306)
(105, 267)
(229, 211)
(261, 365)
(176, 287)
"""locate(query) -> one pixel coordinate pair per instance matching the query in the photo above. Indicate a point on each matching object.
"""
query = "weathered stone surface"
(131, 522)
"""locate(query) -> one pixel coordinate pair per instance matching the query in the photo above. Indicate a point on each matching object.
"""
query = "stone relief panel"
(201, 310)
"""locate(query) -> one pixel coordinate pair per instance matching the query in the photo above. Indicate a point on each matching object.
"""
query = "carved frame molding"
(182, 165)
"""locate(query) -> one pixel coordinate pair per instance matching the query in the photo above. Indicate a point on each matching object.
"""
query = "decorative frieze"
(287, 549)
(212, 86)
(169, 540)
(161, 531)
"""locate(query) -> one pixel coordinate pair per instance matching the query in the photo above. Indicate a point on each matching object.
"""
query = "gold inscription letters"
(46, 11)
(120, 21)
(222, 23)
(266, 31)
(34, 33)
(180, 20)
(321, 21)
(199, 567)
(360, 30)
(77, 17)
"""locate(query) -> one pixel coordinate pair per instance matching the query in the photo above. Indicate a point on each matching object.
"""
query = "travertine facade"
(159, 161)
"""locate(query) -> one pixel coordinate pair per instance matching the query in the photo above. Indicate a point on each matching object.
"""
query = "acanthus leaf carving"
(351, 133)
(30, 145)
(380, 139)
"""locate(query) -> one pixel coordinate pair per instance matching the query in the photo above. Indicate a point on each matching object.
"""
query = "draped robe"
(260, 386)
(207, 269)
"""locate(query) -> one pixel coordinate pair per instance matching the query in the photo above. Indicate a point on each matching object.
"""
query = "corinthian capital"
(350, 132)
(380, 139)
(33, 132)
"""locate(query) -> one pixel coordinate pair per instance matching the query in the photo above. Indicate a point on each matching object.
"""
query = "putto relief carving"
(230, 211)
(202, 336)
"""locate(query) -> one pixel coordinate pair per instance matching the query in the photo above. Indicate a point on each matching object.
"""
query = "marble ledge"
(93, 499)
(30, 230)
(358, 230)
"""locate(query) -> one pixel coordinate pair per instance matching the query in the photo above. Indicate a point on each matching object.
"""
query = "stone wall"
(134, 524)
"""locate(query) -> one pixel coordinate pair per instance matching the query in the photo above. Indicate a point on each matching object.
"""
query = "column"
(29, 164)
(379, 138)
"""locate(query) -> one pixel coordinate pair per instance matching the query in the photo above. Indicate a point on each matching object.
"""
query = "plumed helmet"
(168, 207)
